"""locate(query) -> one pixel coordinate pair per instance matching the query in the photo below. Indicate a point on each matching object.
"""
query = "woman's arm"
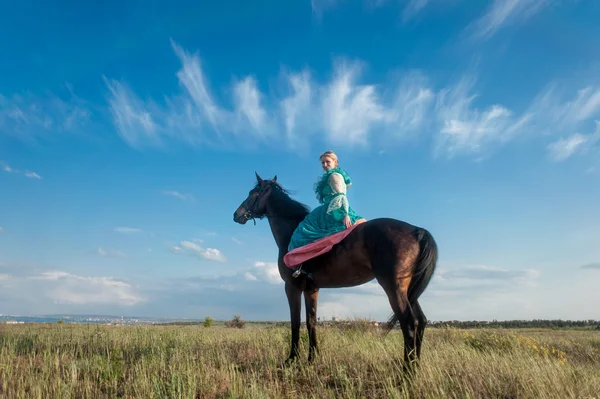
(339, 206)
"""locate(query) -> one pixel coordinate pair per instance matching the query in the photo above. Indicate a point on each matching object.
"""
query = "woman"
(335, 213)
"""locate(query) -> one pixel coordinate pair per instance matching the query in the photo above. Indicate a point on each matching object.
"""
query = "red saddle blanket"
(301, 254)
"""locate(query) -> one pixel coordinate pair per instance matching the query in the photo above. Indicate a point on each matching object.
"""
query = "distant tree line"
(536, 323)
(590, 324)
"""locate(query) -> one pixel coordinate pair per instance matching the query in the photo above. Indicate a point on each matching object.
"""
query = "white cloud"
(1, 229)
(502, 13)
(177, 194)
(266, 271)
(66, 288)
(193, 249)
(236, 241)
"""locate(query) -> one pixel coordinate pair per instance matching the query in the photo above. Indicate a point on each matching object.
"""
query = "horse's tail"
(423, 269)
(424, 266)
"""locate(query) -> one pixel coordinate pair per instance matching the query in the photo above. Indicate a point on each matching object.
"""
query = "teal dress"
(327, 218)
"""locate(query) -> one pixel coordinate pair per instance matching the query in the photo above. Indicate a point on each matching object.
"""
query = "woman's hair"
(329, 154)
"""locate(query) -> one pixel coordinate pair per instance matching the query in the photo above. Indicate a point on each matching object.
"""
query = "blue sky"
(130, 133)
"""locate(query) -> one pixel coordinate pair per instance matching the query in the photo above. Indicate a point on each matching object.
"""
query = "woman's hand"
(347, 221)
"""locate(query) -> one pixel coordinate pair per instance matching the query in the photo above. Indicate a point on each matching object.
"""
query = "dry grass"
(84, 361)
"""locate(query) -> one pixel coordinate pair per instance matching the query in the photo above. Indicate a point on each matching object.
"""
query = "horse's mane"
(284, 205)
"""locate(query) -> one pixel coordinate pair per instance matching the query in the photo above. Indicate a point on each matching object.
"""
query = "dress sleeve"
(339, 206)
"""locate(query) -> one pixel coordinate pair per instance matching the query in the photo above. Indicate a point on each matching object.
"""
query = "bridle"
(248, 215)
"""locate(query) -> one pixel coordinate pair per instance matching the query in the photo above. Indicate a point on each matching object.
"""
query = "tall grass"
(86, 361)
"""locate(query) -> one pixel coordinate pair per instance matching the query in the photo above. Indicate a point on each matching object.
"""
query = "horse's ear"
(258, 178)
(274, 179)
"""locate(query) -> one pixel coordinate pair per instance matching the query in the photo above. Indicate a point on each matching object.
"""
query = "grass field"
(88, 361)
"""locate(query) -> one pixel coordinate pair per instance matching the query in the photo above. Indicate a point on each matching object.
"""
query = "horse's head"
(255, 205)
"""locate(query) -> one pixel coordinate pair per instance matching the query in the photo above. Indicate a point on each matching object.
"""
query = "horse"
(400, 256)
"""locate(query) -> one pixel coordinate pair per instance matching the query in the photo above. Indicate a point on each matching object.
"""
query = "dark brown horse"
(400, 256)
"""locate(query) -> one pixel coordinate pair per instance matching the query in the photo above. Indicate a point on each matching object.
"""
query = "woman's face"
(327, 163)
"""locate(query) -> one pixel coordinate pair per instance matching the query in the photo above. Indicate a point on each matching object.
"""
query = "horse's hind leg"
(421, 324)
(398, 297)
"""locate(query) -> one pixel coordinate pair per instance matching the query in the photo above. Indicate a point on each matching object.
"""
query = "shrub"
(236, 322)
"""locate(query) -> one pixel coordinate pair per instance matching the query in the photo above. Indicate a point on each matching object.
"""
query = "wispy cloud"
(350, 110)
(110, 253)
(346, 110)
(413, 7)
(132, 118)
(8, 169)
(297, 108)
(565, 147)
(569, 119)
(410, 8)
(193, 116)
(236, 241)
(177, 194)
(463, 128)
(190, 248)
(249, 107)
(502, 13)
(32, 175)
(1, 229)
(28, 117)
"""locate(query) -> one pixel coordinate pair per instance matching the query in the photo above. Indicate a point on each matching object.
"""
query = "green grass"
(87, 361)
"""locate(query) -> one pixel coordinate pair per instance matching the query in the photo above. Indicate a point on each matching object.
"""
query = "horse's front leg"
(310, 302)
(294, 296)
